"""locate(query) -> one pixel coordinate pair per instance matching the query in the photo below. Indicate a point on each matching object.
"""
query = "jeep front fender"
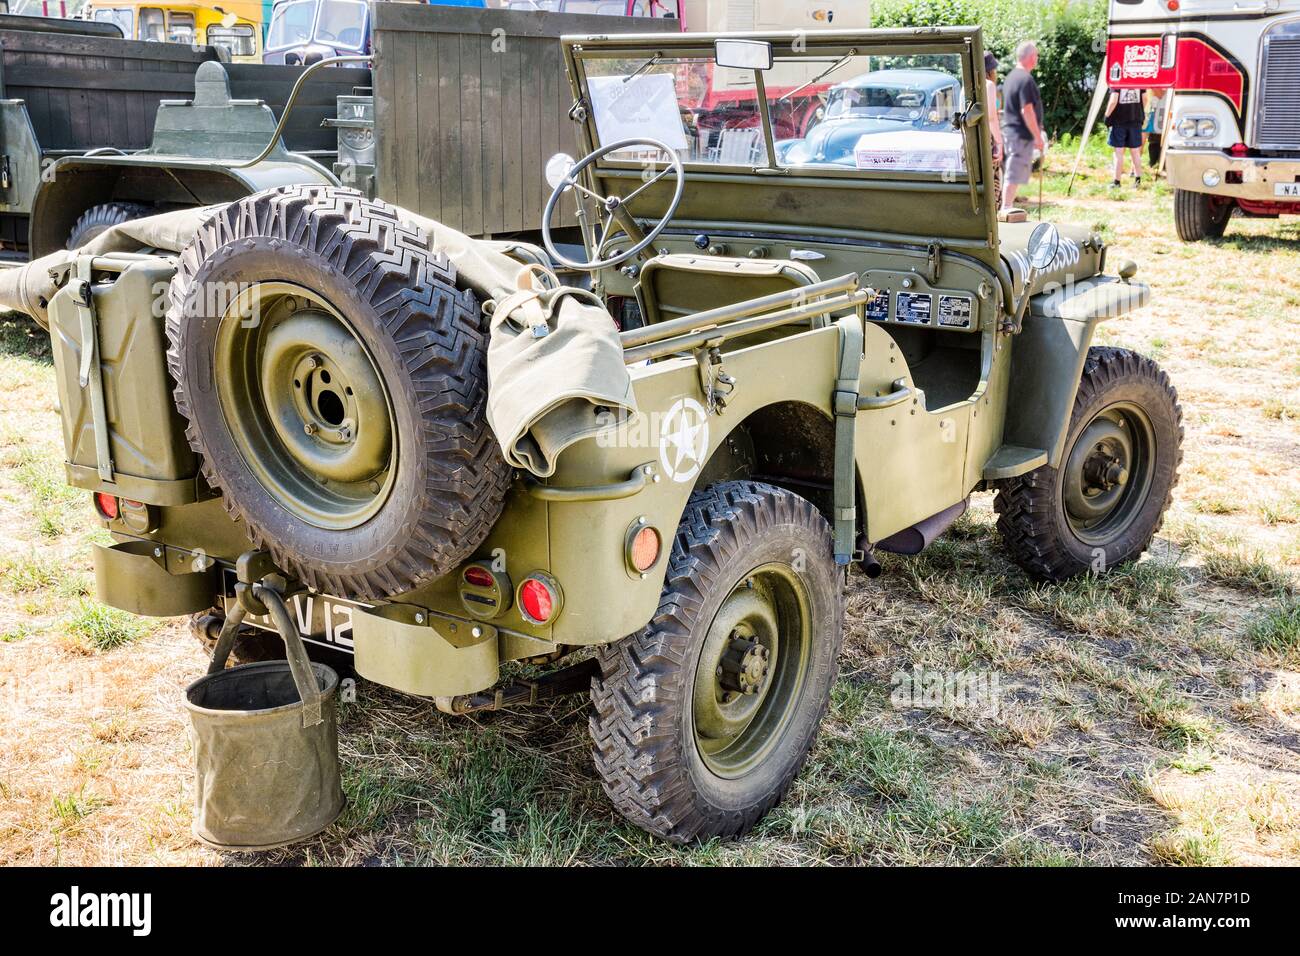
(1048, 356)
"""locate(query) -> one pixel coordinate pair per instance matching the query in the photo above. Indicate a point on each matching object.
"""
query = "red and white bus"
(1232, 69)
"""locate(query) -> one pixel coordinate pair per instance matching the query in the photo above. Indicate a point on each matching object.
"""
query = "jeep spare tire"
(334, 382)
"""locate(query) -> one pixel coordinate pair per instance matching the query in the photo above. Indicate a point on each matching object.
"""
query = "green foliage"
(1070, 35)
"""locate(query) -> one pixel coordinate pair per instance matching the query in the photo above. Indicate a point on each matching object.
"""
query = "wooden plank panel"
(448, 133)
(471, 135)
(426, 132)
(385, 132)
(492, 125)
(405, 115)
(484, 130)
(512, 139)
(531, 55)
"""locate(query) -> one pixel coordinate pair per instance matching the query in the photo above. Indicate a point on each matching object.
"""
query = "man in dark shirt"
(1022, 121)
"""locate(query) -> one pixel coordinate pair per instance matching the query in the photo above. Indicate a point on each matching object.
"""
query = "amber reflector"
(645, 549)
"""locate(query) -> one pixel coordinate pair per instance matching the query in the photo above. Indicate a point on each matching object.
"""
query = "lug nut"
(309, 428)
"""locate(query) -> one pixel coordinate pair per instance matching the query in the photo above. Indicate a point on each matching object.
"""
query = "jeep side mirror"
(743, 54)
(1044, 242)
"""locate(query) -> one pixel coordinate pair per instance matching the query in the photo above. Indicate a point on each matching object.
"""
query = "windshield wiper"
(642, 68)
(824, 73)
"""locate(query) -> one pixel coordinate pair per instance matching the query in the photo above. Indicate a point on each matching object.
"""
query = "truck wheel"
(1105, 503)
(99, 219)
(1199, 216)
(334, 382)
(703, 718)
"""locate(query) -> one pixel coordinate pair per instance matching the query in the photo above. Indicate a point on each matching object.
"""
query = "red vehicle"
(726, 99)
(1232, 124)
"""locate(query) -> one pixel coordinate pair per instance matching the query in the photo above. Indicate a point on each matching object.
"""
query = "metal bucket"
(265, 741)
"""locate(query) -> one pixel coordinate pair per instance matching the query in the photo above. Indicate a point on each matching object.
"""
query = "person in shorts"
(1125, 114)
(1022, 121)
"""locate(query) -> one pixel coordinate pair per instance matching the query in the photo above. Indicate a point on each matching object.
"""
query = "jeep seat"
(672, 286)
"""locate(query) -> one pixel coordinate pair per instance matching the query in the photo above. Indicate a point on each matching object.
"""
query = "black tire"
(251, 646)
(643, 725)
(1035, 520)
(426, 344)
(99, 219)
(1198, 216)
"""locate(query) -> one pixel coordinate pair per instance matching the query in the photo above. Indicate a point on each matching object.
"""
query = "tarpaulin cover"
(555, 364)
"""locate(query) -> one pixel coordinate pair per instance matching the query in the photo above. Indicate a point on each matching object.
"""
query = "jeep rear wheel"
(703, 719)
(1200, 216)
(1106, 501)
(334, 382)
(97, 220)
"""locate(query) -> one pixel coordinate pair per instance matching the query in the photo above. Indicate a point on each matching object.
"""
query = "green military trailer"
(656, 486)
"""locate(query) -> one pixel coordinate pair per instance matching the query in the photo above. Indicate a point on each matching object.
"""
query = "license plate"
(1289, 190)
(321, 619)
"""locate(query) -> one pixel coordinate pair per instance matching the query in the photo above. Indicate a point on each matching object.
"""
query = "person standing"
(1125, 113)
(995, 121)
(1022, 121)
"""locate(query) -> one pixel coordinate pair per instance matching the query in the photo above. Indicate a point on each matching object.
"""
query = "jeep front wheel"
(1106, 501)
(1200, 216)
(703, 718)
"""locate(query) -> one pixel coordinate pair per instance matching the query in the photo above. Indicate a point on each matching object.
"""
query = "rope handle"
(304, 675)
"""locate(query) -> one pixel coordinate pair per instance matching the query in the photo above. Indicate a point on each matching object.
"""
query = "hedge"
(1070, 35)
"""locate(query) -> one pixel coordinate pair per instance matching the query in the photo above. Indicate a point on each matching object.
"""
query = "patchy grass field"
(1151, 716)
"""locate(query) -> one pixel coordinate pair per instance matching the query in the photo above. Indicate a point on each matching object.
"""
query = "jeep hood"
(1077, 258)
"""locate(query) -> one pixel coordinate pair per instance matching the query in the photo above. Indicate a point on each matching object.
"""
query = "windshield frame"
(817, 46)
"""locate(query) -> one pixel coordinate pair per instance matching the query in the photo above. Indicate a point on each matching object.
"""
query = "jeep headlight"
(1207, 128)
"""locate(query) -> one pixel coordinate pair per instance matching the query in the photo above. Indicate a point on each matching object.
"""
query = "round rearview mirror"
(1044, 241)
(557, 169)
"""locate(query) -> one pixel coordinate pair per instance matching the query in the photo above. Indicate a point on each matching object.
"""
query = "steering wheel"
(614, 208)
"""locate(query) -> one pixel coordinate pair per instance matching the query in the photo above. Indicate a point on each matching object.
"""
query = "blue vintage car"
(877, 102)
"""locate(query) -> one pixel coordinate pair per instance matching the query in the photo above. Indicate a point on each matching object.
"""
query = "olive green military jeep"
(828, 357)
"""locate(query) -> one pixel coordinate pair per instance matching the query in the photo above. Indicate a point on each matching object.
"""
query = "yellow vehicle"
(235, 25)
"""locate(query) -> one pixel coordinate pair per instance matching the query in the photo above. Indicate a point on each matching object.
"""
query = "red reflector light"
(106, 505)
(537, 600)
(644, 551)
(1171, 5)
(1238, 150)
(478, 576)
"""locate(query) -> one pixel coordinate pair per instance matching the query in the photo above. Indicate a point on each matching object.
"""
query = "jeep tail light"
(643, 546)
(1238, 150)
(539, 598)
(106, 505)
(478, 576)
(484, 591)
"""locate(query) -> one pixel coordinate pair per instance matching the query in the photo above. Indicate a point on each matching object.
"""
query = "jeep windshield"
(816, 109)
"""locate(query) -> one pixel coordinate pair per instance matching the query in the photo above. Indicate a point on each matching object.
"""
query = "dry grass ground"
(1149, 716)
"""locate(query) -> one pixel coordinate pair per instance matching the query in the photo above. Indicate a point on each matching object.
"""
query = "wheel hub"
(303, 395)
(744, 665)
(1105, 476)
(751, 667)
